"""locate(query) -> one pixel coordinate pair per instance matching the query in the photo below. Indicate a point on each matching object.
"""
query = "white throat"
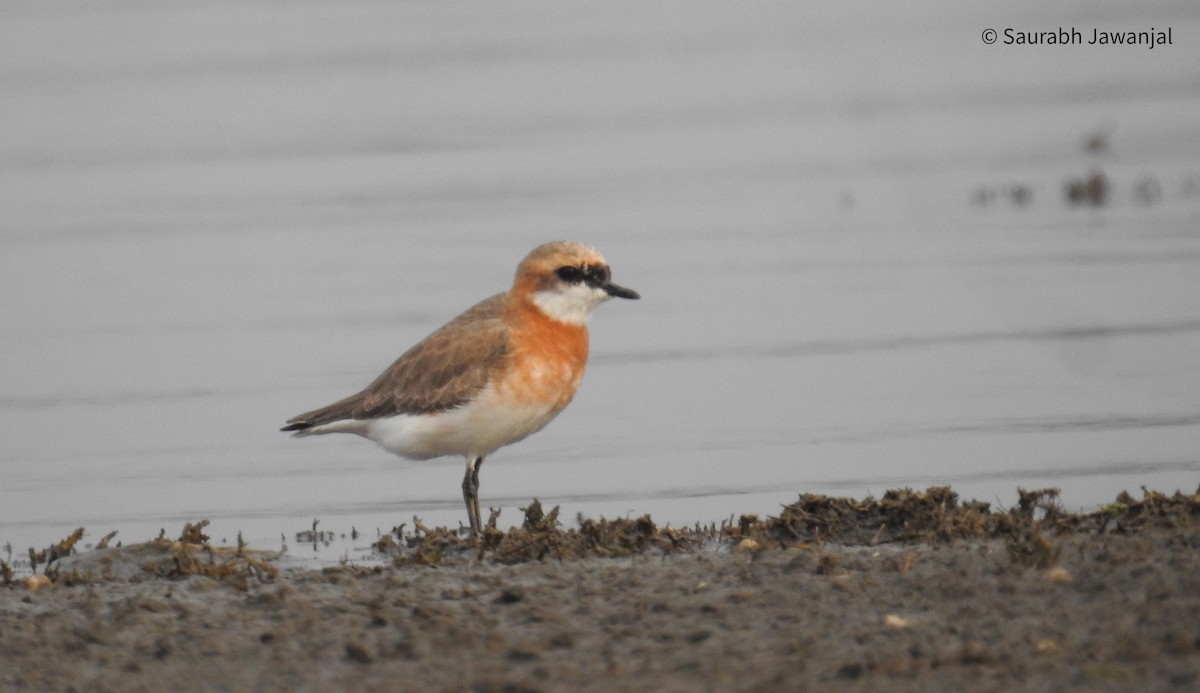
(570, 303)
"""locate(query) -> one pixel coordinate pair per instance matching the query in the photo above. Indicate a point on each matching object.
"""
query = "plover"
(488, 378)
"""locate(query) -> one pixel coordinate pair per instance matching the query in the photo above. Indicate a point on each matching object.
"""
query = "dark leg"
(470, 488)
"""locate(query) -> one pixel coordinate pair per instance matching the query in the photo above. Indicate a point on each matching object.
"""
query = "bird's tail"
(301, 428)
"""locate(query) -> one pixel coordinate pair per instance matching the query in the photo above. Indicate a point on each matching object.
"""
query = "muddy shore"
(925, 592)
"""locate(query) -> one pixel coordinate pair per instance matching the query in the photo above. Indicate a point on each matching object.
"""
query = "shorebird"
(488, 378)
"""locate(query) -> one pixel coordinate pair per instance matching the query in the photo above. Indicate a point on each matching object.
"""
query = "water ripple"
(852, 346)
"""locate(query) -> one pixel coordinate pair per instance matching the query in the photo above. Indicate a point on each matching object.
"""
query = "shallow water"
(216, 216)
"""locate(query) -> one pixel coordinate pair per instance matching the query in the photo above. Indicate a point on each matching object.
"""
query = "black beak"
(619, 291)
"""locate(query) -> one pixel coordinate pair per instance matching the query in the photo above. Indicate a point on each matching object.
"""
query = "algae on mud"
(914, 591)
(935, 515)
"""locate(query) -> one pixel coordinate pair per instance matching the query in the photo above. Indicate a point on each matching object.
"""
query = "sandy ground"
(1111, 609)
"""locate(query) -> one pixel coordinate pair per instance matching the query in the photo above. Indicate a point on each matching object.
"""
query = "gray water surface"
(214, 216)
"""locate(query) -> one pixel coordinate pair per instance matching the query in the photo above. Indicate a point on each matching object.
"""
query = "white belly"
(475, 430)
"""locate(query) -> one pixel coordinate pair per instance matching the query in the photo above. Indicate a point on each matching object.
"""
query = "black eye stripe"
(569, 274)
(591, 274)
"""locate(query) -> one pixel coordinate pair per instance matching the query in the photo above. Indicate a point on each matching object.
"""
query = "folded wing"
(444, 370)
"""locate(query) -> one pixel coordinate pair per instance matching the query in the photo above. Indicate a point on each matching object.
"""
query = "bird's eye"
(569, 274)
(598, 275)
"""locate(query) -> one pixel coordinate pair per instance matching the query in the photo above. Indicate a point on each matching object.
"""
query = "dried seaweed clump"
(901, 515)
(1126, 514)
(54, 552)
(192, 554)
(539, 537)
(424, 546)
(6, 572)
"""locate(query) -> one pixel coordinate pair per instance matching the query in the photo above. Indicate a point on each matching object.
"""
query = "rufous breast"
(547, 359)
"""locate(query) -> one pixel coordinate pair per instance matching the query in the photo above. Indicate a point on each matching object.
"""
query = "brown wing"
(443, 371)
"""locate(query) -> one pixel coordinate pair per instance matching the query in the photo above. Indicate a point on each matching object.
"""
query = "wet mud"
(915, 590)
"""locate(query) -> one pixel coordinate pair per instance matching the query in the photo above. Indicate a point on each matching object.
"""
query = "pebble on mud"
(1059, 576)
(33, 583)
